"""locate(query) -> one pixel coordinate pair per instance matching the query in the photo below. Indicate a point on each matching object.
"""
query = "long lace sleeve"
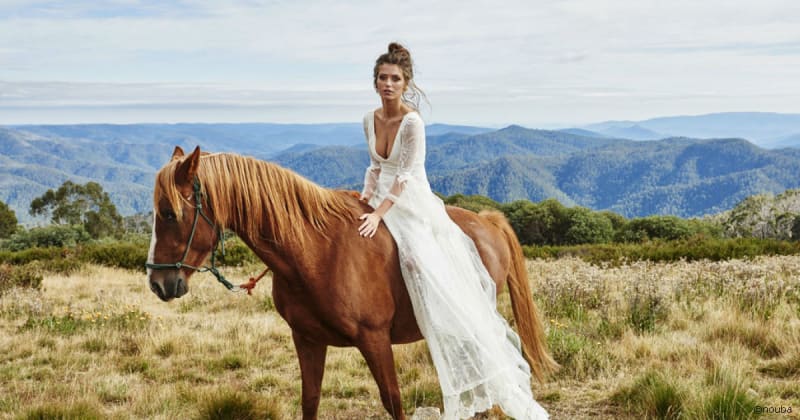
(373, 170)
(370, 178)
(412, 142)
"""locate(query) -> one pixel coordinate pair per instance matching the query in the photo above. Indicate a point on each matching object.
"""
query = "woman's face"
(390, 84)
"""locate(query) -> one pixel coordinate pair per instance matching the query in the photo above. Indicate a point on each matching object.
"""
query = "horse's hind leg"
(376, 347)
(312, 367)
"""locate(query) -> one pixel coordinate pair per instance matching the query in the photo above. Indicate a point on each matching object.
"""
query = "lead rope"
(252, 282)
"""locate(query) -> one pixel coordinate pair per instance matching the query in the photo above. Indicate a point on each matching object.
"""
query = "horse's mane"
(247, 192)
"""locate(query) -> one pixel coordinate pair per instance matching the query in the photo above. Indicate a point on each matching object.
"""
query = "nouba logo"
(773, 410)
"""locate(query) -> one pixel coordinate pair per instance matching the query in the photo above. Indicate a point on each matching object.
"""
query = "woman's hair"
(399, 55)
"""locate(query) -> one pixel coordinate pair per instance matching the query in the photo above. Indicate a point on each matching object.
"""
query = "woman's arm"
(412, 138)
(373, 171)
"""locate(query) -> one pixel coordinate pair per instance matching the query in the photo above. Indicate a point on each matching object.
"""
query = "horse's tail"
(529, 323)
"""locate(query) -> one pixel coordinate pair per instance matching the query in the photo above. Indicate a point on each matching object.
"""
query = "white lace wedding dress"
(476, 354)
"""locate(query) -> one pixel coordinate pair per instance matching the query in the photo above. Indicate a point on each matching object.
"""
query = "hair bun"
(397, 49)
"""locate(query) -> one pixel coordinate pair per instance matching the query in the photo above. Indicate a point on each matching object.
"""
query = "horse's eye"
(169, 215)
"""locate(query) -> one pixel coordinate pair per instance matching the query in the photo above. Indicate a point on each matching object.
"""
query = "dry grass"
(643, 340)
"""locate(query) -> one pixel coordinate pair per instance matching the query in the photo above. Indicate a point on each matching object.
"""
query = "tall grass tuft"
(61, 411)
(646, 311)
(651, 396)
(729, 402)
(240, 406)
(755, 336)
(785, 368)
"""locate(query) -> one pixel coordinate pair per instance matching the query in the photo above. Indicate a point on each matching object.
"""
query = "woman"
(476, 354)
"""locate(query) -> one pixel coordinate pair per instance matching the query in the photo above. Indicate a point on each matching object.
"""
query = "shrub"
(33, 254)
(116, 254)
(59, 236)
(655, 227)
(237, 253)
(28, 276)
(579, 358)
(54, 260)
(474, 203)
(587, 227)
(646, 309)
(689, 249)
(8, 221)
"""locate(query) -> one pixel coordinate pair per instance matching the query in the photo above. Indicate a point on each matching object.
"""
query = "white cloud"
(532, 61)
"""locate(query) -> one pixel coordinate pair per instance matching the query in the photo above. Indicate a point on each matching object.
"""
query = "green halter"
(198, 211)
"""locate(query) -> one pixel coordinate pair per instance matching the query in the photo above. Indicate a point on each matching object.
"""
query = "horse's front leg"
(312, 367)
(376, 347)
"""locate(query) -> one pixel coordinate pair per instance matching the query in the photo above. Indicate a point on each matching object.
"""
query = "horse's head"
(183, 230)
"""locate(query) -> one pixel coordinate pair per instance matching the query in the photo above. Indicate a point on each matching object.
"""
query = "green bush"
(690, 249)
(475, 203)
(237, 253)
(116, 254)
(58, 236)
(587, 227)
(29, 276)
(54, 260)
(63, 266)
(32, 254)
(8, 221)
(646, 309)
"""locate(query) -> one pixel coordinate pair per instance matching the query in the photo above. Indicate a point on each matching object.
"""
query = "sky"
(492, 63)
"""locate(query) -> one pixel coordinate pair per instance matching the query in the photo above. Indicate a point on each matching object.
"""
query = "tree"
(529, 221)
(655, 227)
(76, 204)
(796, 228)
(8, 221)
(138, 223)
(587, 227)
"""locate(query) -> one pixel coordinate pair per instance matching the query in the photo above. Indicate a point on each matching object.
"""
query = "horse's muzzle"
(169, 287)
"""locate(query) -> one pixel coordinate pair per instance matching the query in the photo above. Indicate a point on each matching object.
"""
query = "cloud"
(518, 52)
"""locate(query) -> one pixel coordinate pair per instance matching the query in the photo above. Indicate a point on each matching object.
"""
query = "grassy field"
(699, 340)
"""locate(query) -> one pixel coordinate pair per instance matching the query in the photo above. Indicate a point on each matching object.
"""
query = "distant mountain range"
(769, 130)
(589, 166)
(680, 176)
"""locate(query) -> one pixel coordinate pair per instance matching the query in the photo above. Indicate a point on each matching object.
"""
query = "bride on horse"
(477, 355)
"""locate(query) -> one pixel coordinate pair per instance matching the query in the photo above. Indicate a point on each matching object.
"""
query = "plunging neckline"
(394, 142)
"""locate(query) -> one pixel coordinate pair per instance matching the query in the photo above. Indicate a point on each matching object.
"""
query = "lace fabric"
(476, 354)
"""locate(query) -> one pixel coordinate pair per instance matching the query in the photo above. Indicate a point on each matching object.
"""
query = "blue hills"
(585, 166)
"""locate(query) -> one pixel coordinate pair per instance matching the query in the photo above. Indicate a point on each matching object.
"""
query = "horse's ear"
(177, 153)
(188, 168)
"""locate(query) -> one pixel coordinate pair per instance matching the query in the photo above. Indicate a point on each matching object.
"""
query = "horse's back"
(485, 232)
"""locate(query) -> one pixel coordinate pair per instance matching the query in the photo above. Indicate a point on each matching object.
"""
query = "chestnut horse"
(333, 287)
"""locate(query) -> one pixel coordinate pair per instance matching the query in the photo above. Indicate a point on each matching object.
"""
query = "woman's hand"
(370, 225)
